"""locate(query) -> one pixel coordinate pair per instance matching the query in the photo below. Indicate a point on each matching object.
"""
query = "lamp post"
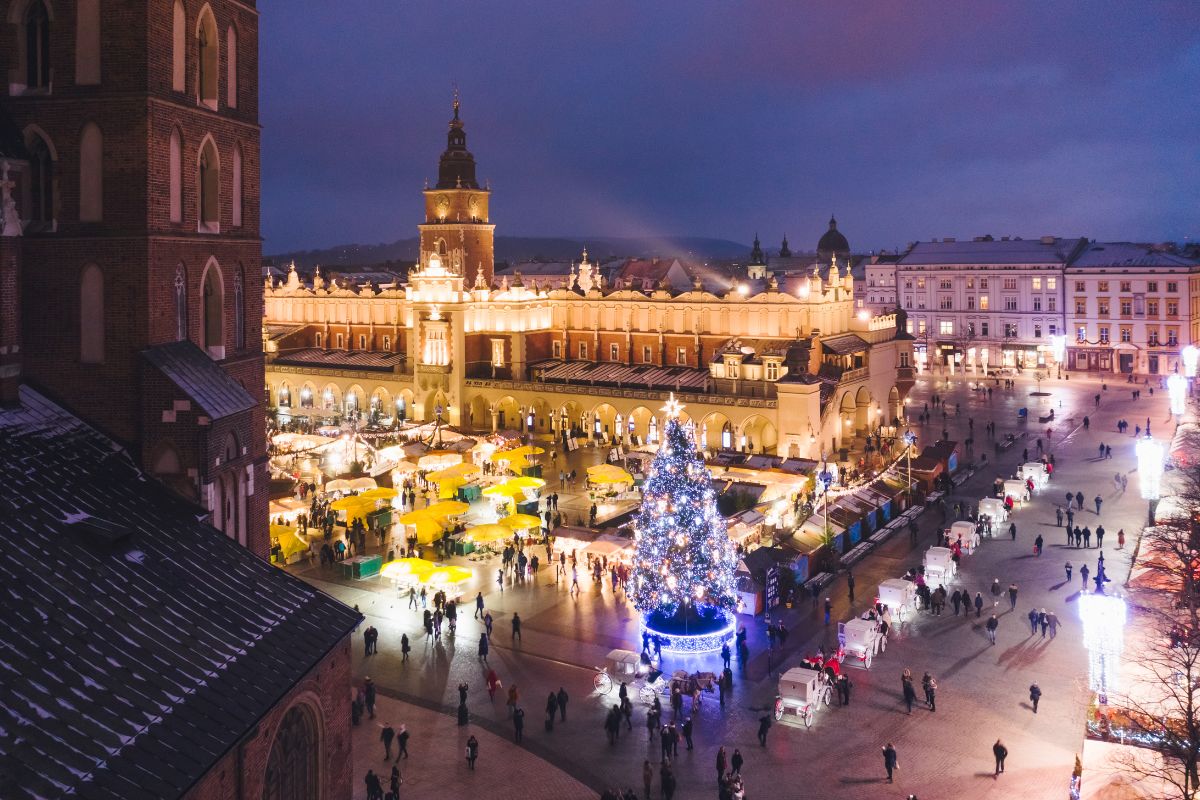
(1150, 470)
(910, 439)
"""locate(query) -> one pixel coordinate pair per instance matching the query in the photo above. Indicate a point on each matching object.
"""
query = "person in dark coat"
(764, 725)
(1035, 695)
(402, 742)
(843, 687)
(518, 723)
(551, 710)
(1001, 753)
(472, 753)
(910, 694)
(374, 787)
(369, 696)
(386, 736)
(992, 625)
(735, 763)
(687, 732)
(483, 647)
(720, 763)
(562, 698)
(956, 601)
(978, 604)
(889, 760)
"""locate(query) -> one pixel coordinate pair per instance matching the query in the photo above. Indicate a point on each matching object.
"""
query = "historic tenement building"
(775, 363)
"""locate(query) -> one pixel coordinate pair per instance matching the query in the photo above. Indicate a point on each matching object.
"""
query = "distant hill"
(519, 248)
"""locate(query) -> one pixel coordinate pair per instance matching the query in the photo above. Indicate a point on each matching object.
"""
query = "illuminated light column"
(1150, 471)
(1103, 618)
(1177, 388)
(1190, 356)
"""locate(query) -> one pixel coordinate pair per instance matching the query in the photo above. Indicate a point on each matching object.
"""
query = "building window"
(908, 283)
(1080, 307)
(41, 181)
(213, 328)
(239, 311)
(1051, 283)
(1152, 337)
(921, 327)
(645, 354)
(1081, 333)
(970, 330)
(556, 349)
(292, 768)
(970, 283)
(983, 303)
(983, 329)
(306, 396)
(1037, 284)
(920, 283)
(1152, 286)
(732, 369)
(1080, 287)
(497, 352)
(983, 283)
(1010, 302)
(91, 315)
(175, 175)
(178, 47)
(362, 341)
(970, 303)
(1102, 308)
(921, 302)
(904, 359)
(681, 356)
(387, 344)
(1126, 334)
(945, 283)
(1037, 302)
(1172, 337)
(772, 368)
(1103, 334)
(1172, 308)
(1101, 286)
(231, 67)
(1037, 330)
(1010, 283)
(1051, 303)
(341, 342)
(1053, 329)
(91, 174)
(207, 46)
(946, 327)
(181, 326)
(1126, 308)
(209, 184)
(1152, 308)
(87, 42)
(37, 46)
(583, 350)
(614, 352)
(237, 186)
(1172, 286)
(320, 338)
(945, 302)
(1126, 286)
(1010, 330)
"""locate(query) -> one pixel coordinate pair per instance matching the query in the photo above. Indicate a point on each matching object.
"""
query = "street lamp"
(824, 478)
(910, 440)
(1150, 471)
(1191, 354)
(1177, 389)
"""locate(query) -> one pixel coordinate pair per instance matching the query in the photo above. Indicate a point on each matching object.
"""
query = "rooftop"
(369, 360)
(1047, 250)
(139, 644)
(199, 377)
(615, 374)
(1128, 254)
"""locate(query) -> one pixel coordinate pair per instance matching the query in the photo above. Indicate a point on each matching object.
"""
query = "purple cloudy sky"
(722, 117)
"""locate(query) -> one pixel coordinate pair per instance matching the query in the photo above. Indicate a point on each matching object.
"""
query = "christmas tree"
(683, 559)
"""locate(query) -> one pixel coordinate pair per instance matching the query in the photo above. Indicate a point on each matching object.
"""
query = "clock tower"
(457, 225)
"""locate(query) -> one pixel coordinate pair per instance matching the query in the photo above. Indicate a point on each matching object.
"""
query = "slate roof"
(1127, 254)
(138, 644)
(844, 344)
(612, 373)
(199, 377)
(1012, 251)
(371, 361)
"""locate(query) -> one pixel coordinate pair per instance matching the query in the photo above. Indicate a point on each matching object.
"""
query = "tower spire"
(456, 102)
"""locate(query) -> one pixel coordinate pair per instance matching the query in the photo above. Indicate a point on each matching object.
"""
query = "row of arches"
(330, 397)
(207, 166)
(208, 57)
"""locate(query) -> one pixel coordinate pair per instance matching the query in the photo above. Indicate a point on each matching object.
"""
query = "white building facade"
(879, 296)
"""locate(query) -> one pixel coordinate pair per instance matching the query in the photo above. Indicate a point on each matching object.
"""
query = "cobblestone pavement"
(983, 689)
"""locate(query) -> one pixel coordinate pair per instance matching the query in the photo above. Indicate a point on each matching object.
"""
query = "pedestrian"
(850, 584)
(725, 654)
(1035, 696)
(929, 684)
(1012, 596)
(1058, 515)
(1043, 622)
(647, 777)
(395, 782)
(1037, 545)
(956, 600)
(516, 626)
(1052, 622)
(996, 589)
(551, 710)
(764, 725)
(1098, 500)
(1121, 539)
(402, 742)
(735, 762)
(518, 724)
(487, 623)
(405, 647)
(1033, 621)
(910, 694)
(386, 736)
(889, 760)
(472, 752)
(1001, 753)
(374, 787)
(687, 732)
(720, 763)
(478, 605)
(1100, 536)
(978, 604)
(369, 696)
(1012, 531)
(1087, 536)
(514, 695)
(1079, 500)
(562, 698)
(668, 781)
(1083, 575)
(828, 609)
(992, 625)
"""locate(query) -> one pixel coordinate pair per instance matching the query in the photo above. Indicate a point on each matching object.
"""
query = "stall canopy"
(483, 534)
(521, 522)
(608, 546)
(362, 484)
(414, 568)
(608, 473)
(447, 508)
(383, 493)
(289, 541)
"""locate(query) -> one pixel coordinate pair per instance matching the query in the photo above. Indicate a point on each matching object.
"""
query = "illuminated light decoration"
(1059, 345)
(684, 560)
(1150, 467)
(1103, 619)
(1177, 388)
(864, 315)
(1190, 356)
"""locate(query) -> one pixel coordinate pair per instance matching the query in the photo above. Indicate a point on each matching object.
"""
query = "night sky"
(909, 120)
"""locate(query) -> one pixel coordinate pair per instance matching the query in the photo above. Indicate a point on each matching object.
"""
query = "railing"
(851, 375)
(633, 394)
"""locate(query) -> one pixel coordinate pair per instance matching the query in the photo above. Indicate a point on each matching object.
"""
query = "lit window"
(772, 370)
(1103, 334)
(583, 350)
(946, 327)
(614, 352)
(497, 352)
(1081, 333)
(1126, 334)
(556, 349)
(1037, 284)
(983, 303)
(681, 356)
(1051, 283)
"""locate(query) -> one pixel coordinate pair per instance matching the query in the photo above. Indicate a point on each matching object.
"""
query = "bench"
(818, 581)
(857, 552)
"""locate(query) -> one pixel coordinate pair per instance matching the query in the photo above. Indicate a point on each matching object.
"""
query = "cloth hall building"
(777, 363)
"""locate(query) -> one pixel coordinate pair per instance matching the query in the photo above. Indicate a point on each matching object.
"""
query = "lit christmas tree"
(683, 560)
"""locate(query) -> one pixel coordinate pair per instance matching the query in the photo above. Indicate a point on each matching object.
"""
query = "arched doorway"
(381, 404)
(331, 397)
(862, 407)
(479, 416)
(716, 432)
(758, 435)
(604, 417)
(637, 426)
(293, 768)
(508, 415)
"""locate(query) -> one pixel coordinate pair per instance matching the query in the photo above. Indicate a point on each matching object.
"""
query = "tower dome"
(833, 242)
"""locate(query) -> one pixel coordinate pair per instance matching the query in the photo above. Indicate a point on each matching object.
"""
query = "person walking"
(551, 710)
(720, 763)
(1033, 621)
(472, 752)
(405, 647)
(562, 698)
(647, 777)
(736, 761)
(828, 609)
(374, 787)
(992, 625)
(910, 694)
(889, 760)
(1121, 539)
(1079, 500)
(487, 623)
(764, 725)
(1098, 501)
(369, 696)
(479, 612)
(1035, 696)
(1058, 515)
(956, 600)
(516, 626)
(402, 742)
(1083, 575)
(1012, 531)
(483, 647)
(1087, 536)
(843, 687)
(978, 604)
(1100, 536)
(518, 724)
(1037, 545)
(1052, 624)
(513, 696)
(386, 736)
(395, 782)
(1067, 567)
(1012, 596)
(1001, 753)
(929, 684)
(687, 731)
(850, 584)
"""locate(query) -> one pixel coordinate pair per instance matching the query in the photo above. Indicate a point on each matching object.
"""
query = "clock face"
(473, 204)
(443, 205)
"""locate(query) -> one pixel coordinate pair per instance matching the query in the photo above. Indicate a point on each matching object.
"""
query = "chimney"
(1048, 240)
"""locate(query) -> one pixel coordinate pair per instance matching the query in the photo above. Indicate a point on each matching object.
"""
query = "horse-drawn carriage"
(994, 509)
(966, 532)
(801, 691)
(861, 639)
(898, 595)
(1035, 471)
(939, 565)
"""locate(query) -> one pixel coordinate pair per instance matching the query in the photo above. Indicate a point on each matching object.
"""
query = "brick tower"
(139, 267)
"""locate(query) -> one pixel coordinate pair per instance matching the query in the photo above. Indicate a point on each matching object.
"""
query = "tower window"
(87, 42)
(239, 311)
(178, 47)
(209, 183)
(41, 179)
(37, 46)
(175, 176)
(237, 186)
(181, 331)
(91, 174)
(231, 68)
(362, 341)
(213, 330)
(206, 76)
(91, 315)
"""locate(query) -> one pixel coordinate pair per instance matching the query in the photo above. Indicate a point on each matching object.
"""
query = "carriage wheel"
(867, 659)
(882, 643)
(648, 694)
(826, 694)
(602, 682)
(807, 715)
(778, 708)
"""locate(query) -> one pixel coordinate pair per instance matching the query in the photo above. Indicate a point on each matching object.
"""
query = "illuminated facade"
(784, 366)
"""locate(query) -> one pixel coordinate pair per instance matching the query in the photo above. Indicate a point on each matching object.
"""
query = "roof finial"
(456, 103)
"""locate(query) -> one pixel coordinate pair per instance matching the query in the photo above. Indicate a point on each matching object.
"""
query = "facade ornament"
(772, 284)
(479, 284)
(504, 283)
(318, 281)
(586, 281)
(10, 220)
(293, 278)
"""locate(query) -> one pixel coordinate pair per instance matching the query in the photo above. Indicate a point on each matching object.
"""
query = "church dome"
(833, 241)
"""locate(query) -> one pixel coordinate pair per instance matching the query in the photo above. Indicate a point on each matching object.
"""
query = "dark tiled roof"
(844, 344)
(138, 644)
(342, 359)
(612, 373)
(199, 377)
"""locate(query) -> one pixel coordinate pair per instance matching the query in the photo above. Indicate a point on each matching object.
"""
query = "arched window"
(293, 771)
(231, 67)
(207, 47)
(306, 397)
(87, 42)
(209, 183)
(213, 328)
(175, 175)
(41, 180)
(285, 396)
(181, 313)
(178, 48)
(387, 343)
(239, 311)
(37, 46)
(237, 185)
(91, 174)
(91, 315)
(320, 339)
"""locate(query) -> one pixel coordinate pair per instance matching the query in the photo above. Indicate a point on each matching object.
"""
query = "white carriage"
(1035, 470)
(967, 532)
(1017, 490)
(899, 596)
(860, 639)
(995, 510)
(801, 691)
(939, 565)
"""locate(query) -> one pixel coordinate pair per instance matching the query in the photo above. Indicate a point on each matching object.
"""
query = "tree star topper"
(672, 408)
